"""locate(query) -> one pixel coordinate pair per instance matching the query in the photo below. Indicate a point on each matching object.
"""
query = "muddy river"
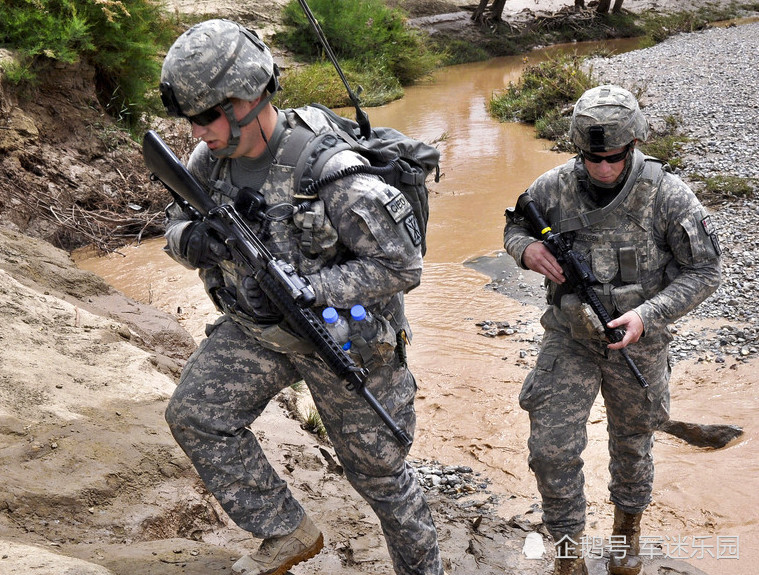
(468, 383)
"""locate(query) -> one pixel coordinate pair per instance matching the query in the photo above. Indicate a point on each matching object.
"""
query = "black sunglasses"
(612, 159)
(205, 117)
(170, 102)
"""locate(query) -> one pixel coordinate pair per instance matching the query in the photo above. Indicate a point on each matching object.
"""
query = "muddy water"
(468, 383)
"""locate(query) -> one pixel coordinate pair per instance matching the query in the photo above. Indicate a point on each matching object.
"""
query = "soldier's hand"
(632, 324)
(201, 247)
(256, 302)
(537, 258)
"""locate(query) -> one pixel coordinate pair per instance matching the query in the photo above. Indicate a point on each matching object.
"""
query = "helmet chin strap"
(235, 125)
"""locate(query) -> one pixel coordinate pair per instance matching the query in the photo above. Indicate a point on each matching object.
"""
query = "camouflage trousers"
(559, 393)
(226, 385)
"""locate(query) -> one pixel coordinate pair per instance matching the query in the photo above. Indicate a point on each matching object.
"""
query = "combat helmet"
(212, 62)
(606, 118)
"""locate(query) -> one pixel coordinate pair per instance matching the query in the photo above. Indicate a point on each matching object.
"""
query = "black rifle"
(578, 275)
(279, 280)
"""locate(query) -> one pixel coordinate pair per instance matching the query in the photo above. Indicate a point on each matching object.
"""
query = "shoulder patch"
(398, 207)
(413, 229)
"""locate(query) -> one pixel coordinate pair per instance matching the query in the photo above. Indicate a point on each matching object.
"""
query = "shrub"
(366, 32)
(319, 82)
(120, 38)
(548, 87)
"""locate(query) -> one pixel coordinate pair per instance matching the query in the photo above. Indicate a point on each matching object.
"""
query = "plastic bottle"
(337, 326)
(367, 326)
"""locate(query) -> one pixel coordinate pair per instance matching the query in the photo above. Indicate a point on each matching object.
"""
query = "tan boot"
(569, 559)
(626, 531)
(277, 554)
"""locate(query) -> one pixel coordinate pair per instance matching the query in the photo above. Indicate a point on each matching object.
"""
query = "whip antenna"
(361, 117)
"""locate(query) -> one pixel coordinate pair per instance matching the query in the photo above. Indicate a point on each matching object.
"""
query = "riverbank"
(90, 471)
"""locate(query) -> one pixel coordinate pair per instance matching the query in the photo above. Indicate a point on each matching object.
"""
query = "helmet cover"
(213, 61)
(607, 118)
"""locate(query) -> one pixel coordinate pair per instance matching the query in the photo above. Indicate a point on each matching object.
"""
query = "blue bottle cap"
(358, 312)
(330, 314)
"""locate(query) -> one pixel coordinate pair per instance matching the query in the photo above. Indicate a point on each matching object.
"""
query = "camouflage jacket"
(348, 245)
(653, 249)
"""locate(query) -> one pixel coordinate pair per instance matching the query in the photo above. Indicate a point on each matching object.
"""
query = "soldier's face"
(217, 132)
(606, 171)
(214, 133)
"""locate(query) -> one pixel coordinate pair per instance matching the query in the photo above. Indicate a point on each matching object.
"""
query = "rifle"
(279, 280)
(578, 273)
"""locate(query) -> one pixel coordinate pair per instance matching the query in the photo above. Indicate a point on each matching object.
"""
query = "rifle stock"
(289, 292)
(578, 274)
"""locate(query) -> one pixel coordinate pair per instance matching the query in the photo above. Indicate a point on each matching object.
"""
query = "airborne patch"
(398, 208)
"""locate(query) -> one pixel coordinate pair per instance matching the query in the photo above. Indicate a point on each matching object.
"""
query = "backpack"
(400, 161)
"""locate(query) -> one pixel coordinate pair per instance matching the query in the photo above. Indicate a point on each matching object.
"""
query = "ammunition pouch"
(580, 318)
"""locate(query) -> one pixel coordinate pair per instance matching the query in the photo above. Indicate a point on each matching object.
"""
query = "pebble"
(453, 481)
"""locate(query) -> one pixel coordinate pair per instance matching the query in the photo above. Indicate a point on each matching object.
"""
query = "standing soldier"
(655, 256)
(349, 247)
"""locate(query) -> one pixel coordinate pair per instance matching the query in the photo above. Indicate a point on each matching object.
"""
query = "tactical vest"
(306, 239)
(617, 240)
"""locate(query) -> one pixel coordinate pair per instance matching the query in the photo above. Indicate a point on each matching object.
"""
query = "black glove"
(254, 301)
(201, 247)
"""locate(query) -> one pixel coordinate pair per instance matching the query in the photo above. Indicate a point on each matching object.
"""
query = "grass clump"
(319, 82)
(658, 27)
(313, 423)
(544, 95)
(369, 38)
(120, 38)
(730, 186)
(666, 143)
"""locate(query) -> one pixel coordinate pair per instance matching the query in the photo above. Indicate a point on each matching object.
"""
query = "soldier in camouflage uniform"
(655, 255)
(221, 77)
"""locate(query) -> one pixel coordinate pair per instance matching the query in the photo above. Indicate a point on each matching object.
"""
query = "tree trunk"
(477, 15)
(497, 9)
(617, 6)
(579, 5)
(603, 6)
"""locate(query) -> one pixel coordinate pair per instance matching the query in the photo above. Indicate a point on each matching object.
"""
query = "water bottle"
(364, 322)
(337, 326)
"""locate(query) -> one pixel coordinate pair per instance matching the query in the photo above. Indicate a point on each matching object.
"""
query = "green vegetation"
(314, 424)
(730, 186)
(543, 94)
(667, 143)
(319, 82)
(546, 93)
(658, 27)
(120, 38)
(371, 41)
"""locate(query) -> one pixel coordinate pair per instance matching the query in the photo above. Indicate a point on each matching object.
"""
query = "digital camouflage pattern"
(357, 253)
(226, 385)
(216, 60)
(611, 110)
(655, 253)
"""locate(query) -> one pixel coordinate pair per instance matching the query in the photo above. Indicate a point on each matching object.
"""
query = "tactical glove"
(254, 301)
(201, 247)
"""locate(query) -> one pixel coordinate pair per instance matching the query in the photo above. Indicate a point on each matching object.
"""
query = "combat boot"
(569, 559)
(626, 530)
(277, 554)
